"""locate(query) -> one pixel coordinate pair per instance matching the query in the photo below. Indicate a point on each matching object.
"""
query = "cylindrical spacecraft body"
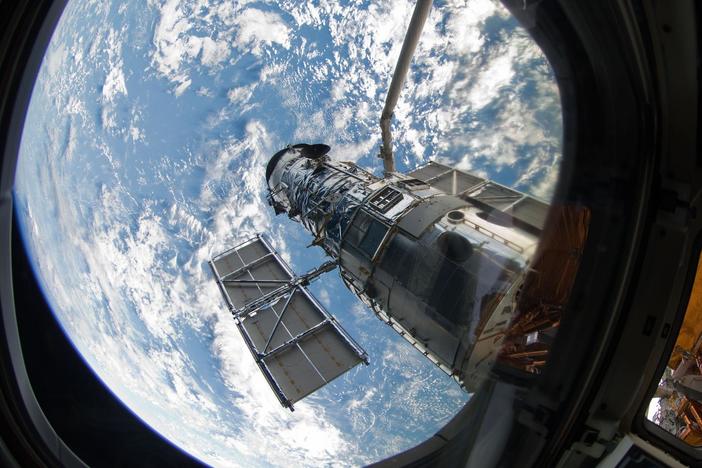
(438, 268)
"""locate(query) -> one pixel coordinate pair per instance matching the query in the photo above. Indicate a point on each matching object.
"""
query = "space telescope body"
(438, 254)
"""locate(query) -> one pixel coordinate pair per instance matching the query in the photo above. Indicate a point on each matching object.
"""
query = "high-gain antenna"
(414, 31)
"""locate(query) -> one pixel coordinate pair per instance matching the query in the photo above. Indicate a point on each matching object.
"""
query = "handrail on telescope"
(421, 11)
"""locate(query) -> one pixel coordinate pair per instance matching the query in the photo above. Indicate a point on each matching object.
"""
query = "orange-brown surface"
(547, 286)
(692, 324)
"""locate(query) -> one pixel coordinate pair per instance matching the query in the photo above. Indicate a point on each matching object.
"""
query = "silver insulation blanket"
(323, 195)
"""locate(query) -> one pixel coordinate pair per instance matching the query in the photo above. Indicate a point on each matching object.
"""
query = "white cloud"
(147, 368)
(342, 117)
(257, 29)
(75, 106)
(453, 66)
(240, 95)
(107, 118)
(492, 79)
(204, 92)
(136, 134)
(325, 297)
(55, 58)
(211, 52)
(182, 86)
(344, 151)
(178, 42)
(311, 127)
(280, 438)
(170, 46)
(114, 83)
(545, 187)
(465, 21)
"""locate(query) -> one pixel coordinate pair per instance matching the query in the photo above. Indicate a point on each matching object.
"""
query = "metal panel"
(429, 171)
(452, 181)
(446, 178)
(297, 344)
(300, 315)
(465, 182)
(259, 326)
(496, 196)
(253, 251)
(229, 262)
(428, 212)
(294, 374)
(316, 360)
(384, 199)
(249, 272)
(300, 345)
(331, 356)
(455, 182)
(531, 211)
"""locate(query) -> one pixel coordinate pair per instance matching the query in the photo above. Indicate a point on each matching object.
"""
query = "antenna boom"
(414, 31)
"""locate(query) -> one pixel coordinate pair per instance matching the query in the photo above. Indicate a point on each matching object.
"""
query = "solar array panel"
(296, 343)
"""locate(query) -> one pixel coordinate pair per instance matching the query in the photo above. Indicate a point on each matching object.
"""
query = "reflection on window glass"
(546, 290)
(677, 403)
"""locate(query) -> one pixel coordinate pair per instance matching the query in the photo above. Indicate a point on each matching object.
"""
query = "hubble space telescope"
(432, 253)
(440, 255)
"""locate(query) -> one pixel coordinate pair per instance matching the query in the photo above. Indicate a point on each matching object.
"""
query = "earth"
(143, 156)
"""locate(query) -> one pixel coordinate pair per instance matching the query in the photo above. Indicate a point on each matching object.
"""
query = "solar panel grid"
(296, 343)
